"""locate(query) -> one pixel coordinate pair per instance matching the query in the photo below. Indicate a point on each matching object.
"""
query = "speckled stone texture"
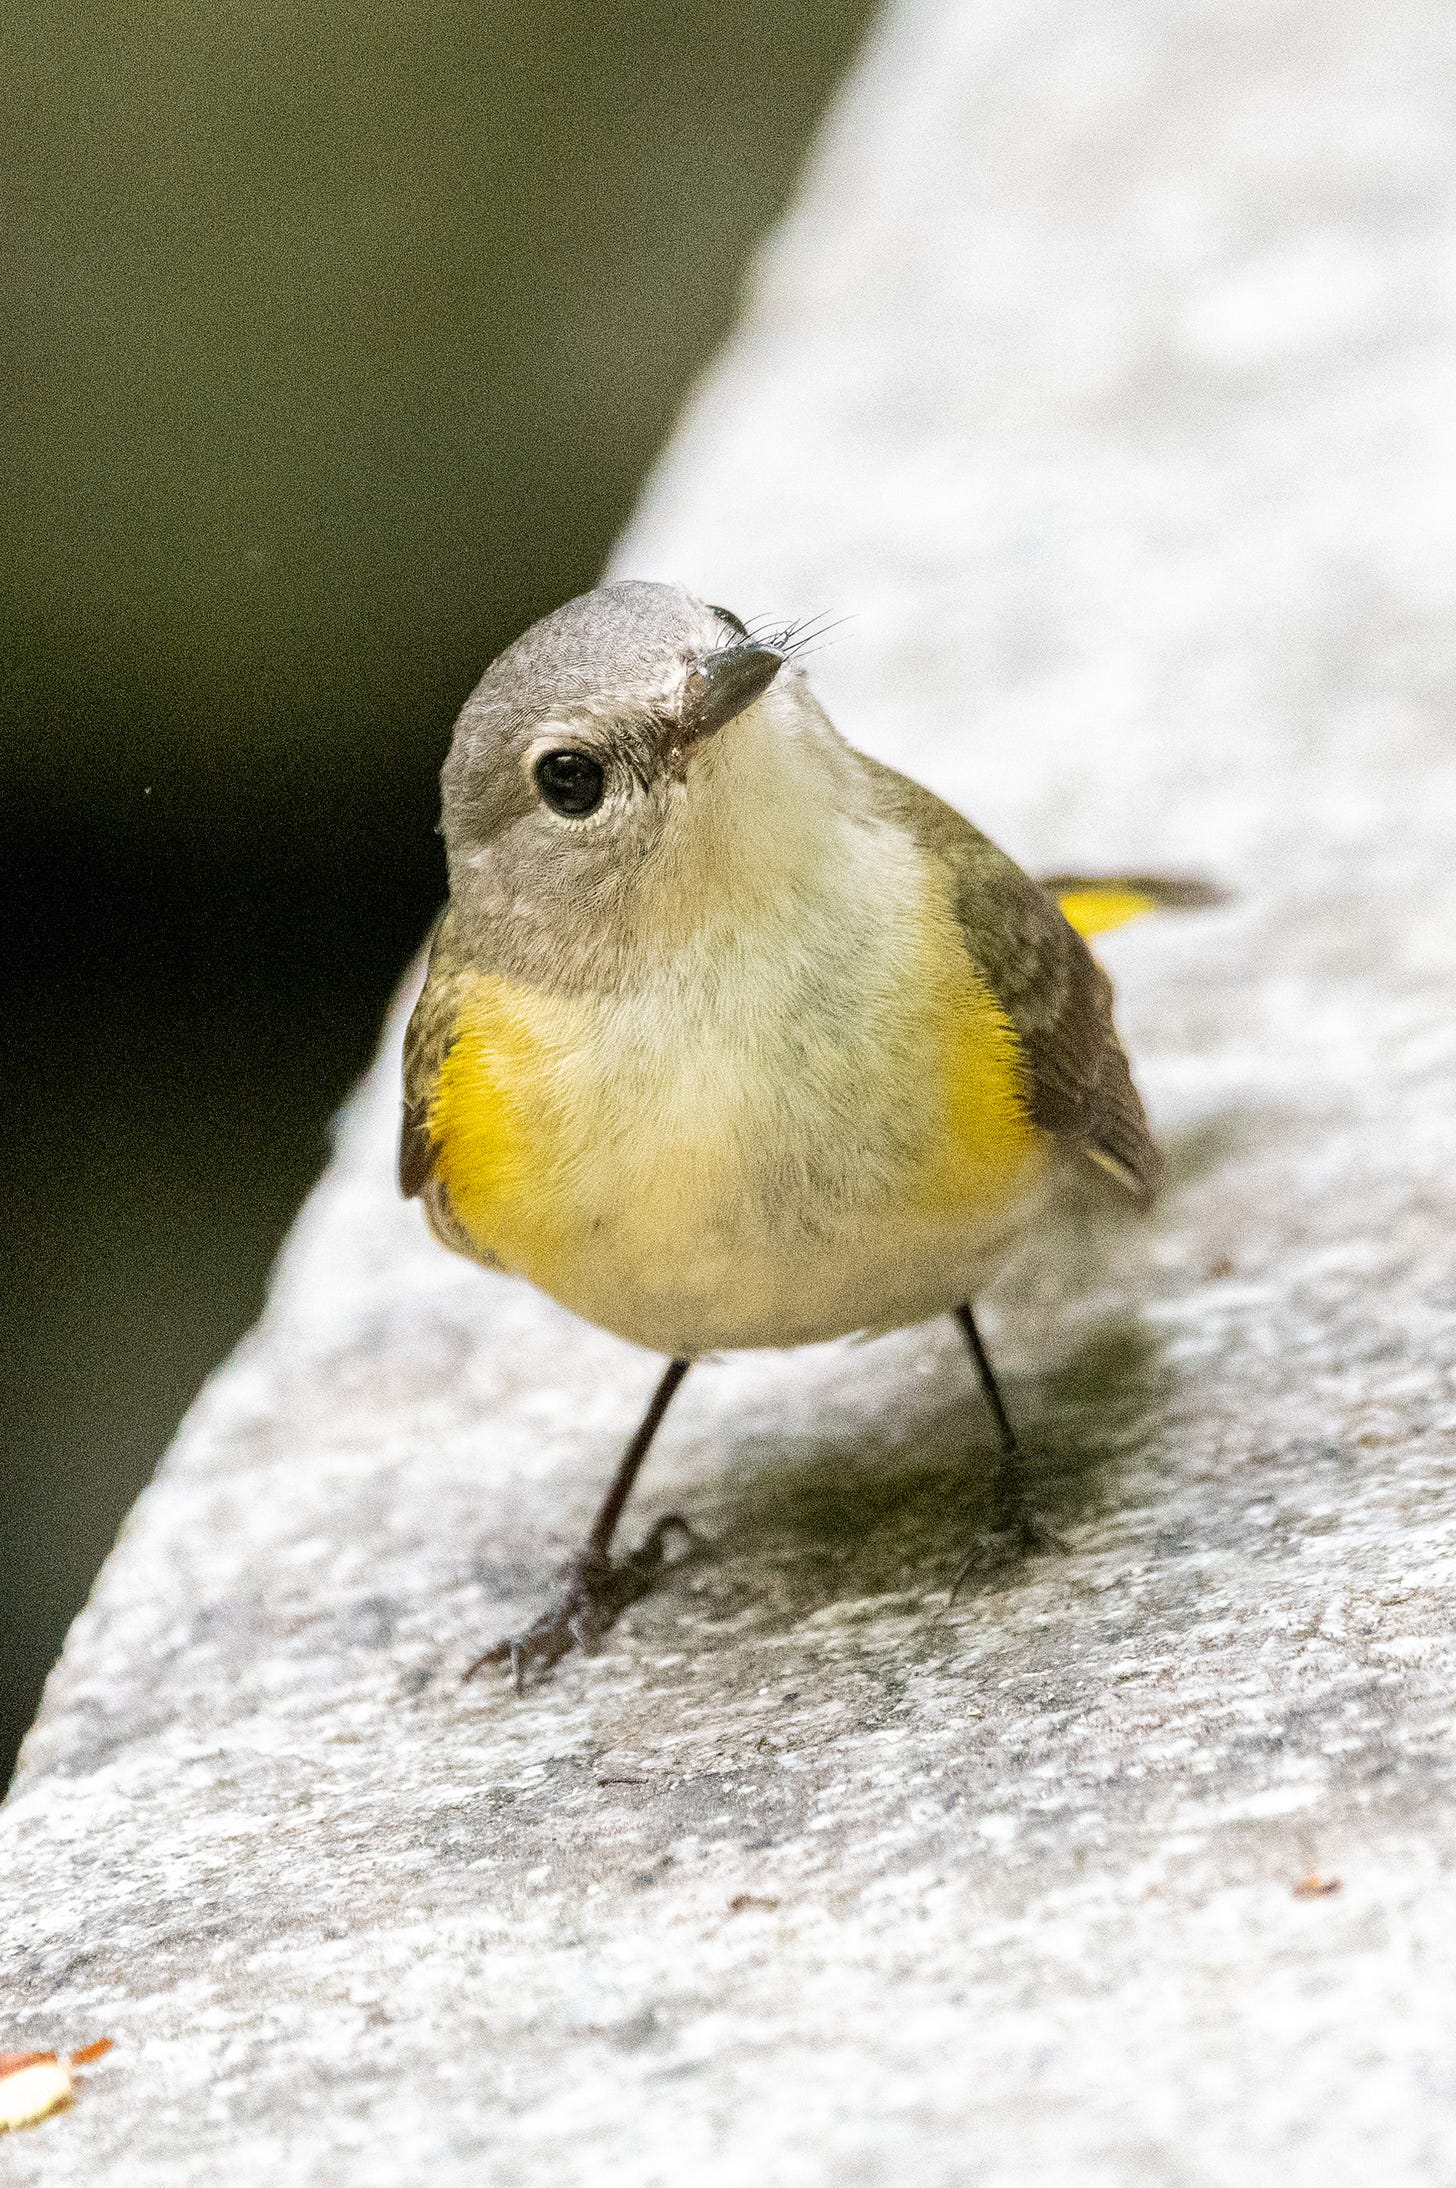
(1103, 379)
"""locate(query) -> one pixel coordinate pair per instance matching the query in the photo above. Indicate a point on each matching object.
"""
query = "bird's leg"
(597, 1591)
(1015, 1527)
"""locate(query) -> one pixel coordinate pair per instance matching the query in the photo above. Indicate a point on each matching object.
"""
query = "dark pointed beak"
(724, 683)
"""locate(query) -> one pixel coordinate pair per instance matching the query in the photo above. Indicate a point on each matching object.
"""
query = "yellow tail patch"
(1095, 905)
(1098, 911)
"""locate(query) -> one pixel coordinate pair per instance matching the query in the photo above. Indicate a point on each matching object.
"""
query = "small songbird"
(732, 1036)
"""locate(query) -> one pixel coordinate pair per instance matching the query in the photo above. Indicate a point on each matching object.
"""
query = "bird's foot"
(1018, 1531)
(596, 1594)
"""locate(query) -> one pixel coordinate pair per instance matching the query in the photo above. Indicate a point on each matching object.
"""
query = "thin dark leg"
(1010, 1448)
(1014, 1525)
(598, 1591)
(604, 1526)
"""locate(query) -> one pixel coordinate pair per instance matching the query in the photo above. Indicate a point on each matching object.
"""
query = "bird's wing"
(1055, 995)
(426, 1044)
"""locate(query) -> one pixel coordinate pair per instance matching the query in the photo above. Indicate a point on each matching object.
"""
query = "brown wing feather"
(426, 1044)
(1056, 995)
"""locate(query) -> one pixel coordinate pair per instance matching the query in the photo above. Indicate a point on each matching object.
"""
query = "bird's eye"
(726, 615)
(571, 782)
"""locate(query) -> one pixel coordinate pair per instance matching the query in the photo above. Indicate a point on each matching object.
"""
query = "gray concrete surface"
(1103, 379)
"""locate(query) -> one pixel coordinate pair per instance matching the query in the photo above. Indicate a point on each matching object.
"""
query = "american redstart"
(732, 1036)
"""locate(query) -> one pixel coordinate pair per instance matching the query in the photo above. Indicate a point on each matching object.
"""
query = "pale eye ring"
(571, 782)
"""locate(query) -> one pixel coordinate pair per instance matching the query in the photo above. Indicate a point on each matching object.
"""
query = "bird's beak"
(724, 683)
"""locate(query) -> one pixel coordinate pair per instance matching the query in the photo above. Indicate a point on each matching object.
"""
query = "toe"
(597, 1592)
(1022, 1534)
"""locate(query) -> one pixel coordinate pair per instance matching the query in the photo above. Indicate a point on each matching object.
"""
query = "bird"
(732, 1036)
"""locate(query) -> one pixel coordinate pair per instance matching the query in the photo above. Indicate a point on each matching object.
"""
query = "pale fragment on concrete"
(1103, 379)
(32, 2093)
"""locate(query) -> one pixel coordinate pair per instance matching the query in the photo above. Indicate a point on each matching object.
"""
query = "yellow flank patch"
(489, 1120)
(988, 1139)
(1098, 911)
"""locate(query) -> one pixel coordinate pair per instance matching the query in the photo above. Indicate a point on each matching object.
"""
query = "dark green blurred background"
(336, 341)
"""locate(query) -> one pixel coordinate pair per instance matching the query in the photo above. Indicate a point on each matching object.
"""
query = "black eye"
(726, 615)
(570, 782)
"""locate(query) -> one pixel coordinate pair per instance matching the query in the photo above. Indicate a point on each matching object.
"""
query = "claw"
(1023, 1533)
(596, 1594)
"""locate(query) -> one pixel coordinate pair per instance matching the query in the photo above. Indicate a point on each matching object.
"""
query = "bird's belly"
(696, 1192)
(729, 1279)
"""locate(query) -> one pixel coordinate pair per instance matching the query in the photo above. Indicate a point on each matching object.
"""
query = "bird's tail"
(1096, 903)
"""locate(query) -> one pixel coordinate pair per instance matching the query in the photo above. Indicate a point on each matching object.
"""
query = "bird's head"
(612, 769)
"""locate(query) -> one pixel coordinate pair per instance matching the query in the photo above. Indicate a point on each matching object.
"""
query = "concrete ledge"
(1103, 377)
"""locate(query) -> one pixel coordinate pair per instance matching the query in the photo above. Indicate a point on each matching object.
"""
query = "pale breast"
(769, 1140)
